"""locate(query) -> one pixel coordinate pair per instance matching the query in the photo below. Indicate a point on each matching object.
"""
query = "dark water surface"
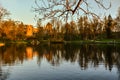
(60, 62)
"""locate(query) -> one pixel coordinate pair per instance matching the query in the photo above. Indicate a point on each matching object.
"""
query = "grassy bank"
(102, 41)
(105, 41)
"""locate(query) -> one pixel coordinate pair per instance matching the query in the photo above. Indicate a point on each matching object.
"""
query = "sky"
(21, 10)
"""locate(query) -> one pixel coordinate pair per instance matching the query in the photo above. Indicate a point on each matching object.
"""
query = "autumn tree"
(13, 30)
(3, 13)
(94, 25)
(20, 34)
(48, 30)
(67, 35)
(84, 27)
(118, 20)
(81, 27)
(73, 30)
(118, 13)
(41, 33)
(9, 29)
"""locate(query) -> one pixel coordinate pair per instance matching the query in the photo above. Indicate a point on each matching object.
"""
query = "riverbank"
(94, 42)
(105, 41)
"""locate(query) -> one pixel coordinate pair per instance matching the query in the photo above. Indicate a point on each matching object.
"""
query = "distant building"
(29, 30)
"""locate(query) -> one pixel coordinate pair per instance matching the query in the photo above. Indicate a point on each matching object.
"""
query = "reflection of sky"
(29, 70)
(21, 9)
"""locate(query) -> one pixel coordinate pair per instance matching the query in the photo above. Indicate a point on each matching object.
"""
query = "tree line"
(12, 30)
(84, 28)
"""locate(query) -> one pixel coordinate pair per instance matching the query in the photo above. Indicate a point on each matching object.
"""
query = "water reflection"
(86, 56)
(4, 73)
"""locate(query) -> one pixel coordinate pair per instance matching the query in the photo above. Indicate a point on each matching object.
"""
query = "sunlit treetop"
(65, 8)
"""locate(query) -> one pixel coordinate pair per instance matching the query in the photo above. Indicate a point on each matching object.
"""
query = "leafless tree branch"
(59, 8)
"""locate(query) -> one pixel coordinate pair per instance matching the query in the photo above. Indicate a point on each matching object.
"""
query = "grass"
(99, 41)
(17, 42)
(103, 41)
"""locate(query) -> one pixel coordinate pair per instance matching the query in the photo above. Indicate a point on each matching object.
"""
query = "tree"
(20, 30)
(118, 20)
(3, 12)
(94, 23)
(41, 33)
(108, 27)
(119, 13)
(48, 30)
(67, 35)
(65, 8)
(8, 30)
(57, 32)
(80, 27)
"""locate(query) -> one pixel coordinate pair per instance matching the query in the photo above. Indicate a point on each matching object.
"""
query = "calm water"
(60, 62)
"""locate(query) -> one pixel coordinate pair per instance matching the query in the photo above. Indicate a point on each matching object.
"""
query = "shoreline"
(63, 42)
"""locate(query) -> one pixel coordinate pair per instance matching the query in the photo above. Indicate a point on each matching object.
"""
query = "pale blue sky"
(21, 9)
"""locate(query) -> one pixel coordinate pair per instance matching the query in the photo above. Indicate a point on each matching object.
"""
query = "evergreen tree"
(108, 27)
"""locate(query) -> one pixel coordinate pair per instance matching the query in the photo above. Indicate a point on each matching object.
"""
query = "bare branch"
(78, 4)
(65, 8)
(3, 12)
(102, 5)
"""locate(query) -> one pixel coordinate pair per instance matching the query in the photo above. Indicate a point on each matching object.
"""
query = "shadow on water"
(85, 55)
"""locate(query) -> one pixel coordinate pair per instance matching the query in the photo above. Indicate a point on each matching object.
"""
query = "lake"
(60, 62)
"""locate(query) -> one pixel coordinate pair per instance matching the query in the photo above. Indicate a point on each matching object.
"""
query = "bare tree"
(119, 12)
(3, 12)
(67, 8)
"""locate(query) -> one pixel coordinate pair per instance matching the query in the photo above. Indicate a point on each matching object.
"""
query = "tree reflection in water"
(85, 55)
(118, 65)
(4, 74)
